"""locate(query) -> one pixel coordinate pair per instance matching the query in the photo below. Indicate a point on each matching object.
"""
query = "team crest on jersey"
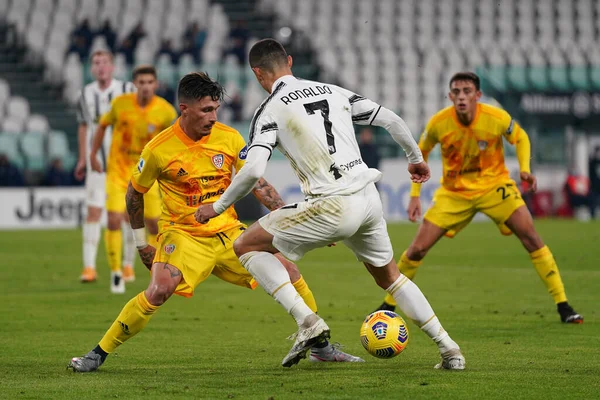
(141, 165)
(169, 248)
(218, 160)
(151, 128)
(482, 144)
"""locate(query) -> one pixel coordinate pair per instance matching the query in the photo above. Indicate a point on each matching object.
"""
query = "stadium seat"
(186, 64)
(4, 6)
(37, 123)
(538, 76)
(595, 77)
(18, 107)
(67, 6)
(4, 92)
(32, 146)
(559, 78)
(517, 77)
(12, 125)
(58, 145)
(9, 145)
(578, 75)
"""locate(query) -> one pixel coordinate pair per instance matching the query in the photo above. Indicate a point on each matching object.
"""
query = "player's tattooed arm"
(135, 207)
(267, 195)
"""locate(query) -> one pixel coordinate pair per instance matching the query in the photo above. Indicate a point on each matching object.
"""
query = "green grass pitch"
(227, 342)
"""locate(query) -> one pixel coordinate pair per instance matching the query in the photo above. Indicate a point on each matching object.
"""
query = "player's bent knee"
(93, 214)
(290, 267)
(239, 247)
(158, 293)
(113, 222)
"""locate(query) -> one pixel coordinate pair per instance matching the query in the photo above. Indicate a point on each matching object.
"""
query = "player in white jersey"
(311, 123)
(94, 101)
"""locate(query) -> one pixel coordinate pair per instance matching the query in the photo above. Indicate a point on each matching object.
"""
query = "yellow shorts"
(198, 257)
(115, 199)
(452, 211)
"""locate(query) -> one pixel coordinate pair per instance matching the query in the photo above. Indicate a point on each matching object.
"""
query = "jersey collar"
(185, 139)
(475, 118)
(285, 78)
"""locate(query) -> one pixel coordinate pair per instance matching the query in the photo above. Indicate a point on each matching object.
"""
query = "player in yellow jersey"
(193, 162)
(136, 118)
(475, 179)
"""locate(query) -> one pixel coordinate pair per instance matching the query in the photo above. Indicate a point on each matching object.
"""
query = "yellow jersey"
(190, 173)
(472, 156)
(133, 128)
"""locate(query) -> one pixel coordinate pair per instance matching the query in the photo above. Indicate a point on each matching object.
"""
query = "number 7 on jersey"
(323, 105)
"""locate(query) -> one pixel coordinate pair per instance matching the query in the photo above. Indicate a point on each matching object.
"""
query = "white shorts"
(357, 220)
(95, 189)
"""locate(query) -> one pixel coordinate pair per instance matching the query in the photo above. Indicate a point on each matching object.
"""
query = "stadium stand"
(400, 52)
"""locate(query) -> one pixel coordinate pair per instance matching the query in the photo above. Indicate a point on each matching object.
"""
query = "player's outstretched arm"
(267, 195)
(134, 201)
(397, 128)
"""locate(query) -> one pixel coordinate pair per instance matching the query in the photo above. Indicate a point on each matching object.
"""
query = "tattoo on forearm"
(172, 270)
(147, 258)
(267, 195)
(135, 207)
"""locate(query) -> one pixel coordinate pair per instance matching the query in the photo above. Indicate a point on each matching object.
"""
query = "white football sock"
(274, 278)
(129, 249)
(413, 303)
(91, 237)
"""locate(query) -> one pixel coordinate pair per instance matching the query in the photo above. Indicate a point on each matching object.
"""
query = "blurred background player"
(475, 179)
(94, 101)
(136, 118)
(192, 162)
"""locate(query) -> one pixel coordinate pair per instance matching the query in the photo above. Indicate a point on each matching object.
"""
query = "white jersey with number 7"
(311, 123)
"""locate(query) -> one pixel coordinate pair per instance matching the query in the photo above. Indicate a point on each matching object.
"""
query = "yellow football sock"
(407, 268)
(304, 291)
(132, 319)
(152, 239)
(113, 241)
(546, 267)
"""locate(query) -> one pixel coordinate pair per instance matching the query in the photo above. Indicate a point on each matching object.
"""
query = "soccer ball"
(384, 334)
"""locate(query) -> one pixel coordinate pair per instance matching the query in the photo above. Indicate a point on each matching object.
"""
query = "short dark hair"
(143, 70)
(197, 85)
(465, 76)
(268, 54)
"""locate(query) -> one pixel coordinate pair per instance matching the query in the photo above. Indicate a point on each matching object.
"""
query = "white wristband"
(139, 236)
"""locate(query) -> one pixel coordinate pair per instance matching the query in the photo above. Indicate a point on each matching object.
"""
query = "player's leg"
(521, 223)
(415, 306)
(371, 244)
(133, 317)
(95, 198)
(113, 242)
(322, 351)
(91, 237)
(448, 214)
(113, 235)
(129, 252)
(256, 251)
(427, 236)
